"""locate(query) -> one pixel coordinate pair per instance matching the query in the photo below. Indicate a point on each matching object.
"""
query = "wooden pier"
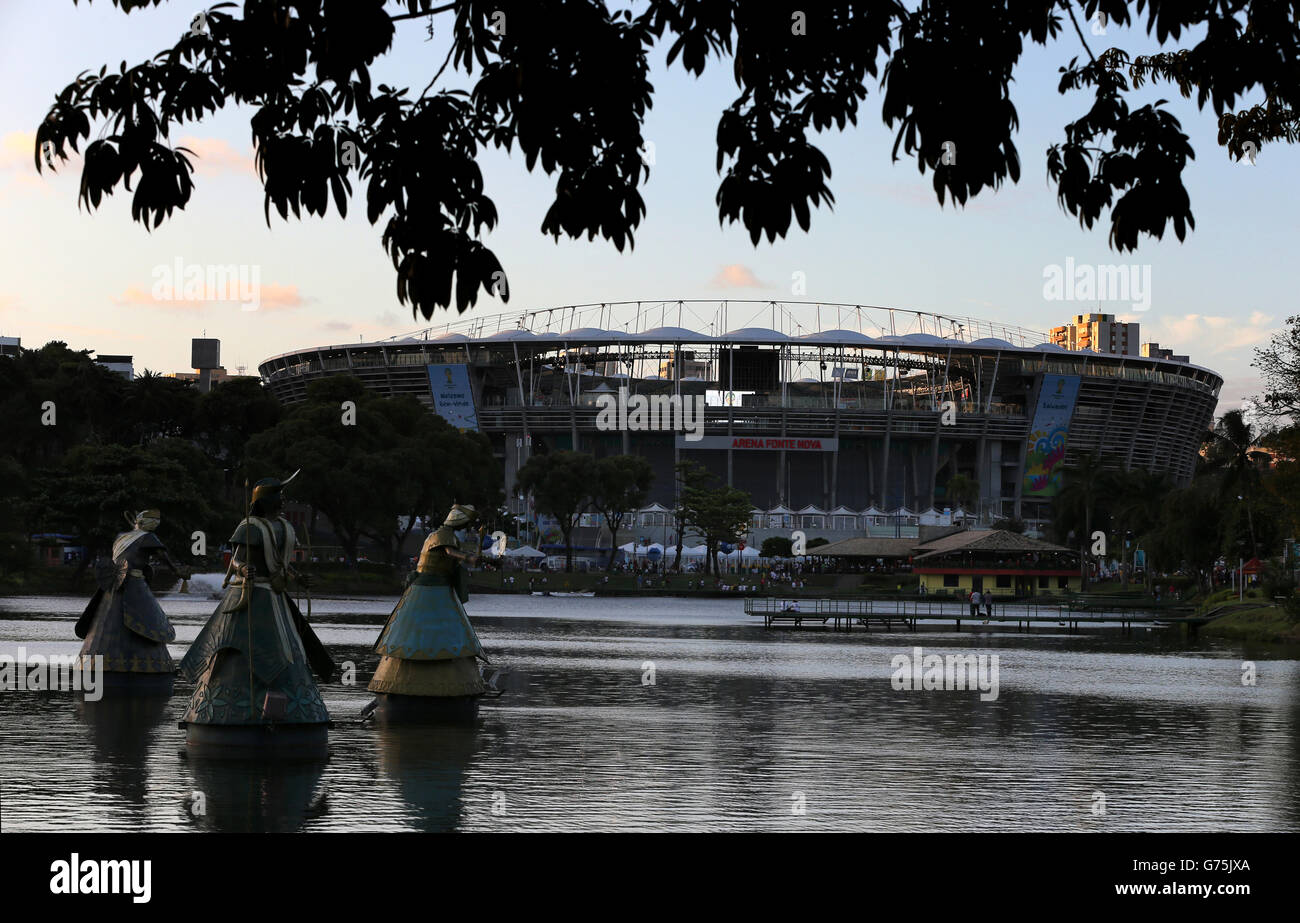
(844, 614)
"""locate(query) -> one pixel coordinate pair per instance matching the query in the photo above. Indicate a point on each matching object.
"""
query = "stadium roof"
(628, 323)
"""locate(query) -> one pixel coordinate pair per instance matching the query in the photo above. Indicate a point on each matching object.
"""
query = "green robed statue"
(252, 662)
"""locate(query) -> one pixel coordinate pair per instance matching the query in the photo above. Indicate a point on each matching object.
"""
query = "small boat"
(564, 593)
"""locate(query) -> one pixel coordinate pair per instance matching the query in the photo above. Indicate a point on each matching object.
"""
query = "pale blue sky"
(85, 278)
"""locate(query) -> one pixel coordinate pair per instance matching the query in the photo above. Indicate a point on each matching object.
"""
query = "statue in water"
(123, 622)
(429, 665)
(252, 662)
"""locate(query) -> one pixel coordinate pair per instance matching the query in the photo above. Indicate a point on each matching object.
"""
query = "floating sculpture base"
(115, 683)
(257, 741)
(390, 708)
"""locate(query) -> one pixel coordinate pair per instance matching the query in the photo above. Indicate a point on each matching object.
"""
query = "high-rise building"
(1156, 351)
(123, 365)
(10, 346)
(1100, 333)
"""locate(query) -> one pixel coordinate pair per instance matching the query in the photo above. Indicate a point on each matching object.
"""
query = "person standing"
(974, 603)
(988, 606)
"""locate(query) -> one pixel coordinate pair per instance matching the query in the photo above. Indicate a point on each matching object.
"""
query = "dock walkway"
(844, 614)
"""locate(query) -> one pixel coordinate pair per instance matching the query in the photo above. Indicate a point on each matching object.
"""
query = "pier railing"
(845, 613)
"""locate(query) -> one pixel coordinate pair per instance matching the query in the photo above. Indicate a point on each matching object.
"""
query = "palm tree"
(962, 491)
(1140, 504)
(1231, 452)
(1087, 482)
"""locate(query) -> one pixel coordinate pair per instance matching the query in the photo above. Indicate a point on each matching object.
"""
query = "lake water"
(742, 729)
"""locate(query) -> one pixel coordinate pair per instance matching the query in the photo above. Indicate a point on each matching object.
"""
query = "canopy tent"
(524, 551)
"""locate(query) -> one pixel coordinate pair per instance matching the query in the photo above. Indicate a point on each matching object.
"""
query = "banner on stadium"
(745, 443)
(1045, 453)
(453, 398)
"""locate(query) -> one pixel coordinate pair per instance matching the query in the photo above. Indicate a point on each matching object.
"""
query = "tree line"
(566, 484)
(1243, 499)
(86, 445)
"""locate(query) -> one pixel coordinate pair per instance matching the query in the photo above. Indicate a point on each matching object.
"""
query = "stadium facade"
(837, 409)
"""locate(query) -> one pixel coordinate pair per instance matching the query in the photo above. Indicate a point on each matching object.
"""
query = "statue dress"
(251, 664)
(123, 622)
(429, 650)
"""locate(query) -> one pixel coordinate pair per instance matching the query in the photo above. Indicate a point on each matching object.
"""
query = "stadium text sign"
(743, 443)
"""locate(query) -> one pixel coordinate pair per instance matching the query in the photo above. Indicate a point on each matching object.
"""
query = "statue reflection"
(121, 730)
(255, 796)
(428, 763)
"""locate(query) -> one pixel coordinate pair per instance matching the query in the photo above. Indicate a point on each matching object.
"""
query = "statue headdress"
(460, 516)
(268, 487)
(145, 520)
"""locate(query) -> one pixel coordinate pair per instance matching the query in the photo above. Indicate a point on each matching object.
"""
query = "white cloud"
(737, 276)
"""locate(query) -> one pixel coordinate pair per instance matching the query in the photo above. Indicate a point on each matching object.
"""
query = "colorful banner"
(453, 398)
(1045, 454)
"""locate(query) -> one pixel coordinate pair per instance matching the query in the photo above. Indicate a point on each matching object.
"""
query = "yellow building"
(1005, 563)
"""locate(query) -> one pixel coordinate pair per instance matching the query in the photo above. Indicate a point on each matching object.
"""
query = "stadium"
(848, 419)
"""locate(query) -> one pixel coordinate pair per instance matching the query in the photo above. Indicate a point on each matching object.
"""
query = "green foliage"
(1278, 362)
(962, 491)
(231, 414)
(1276, 580)
(717, 512)
(622, 484)
(365, 468)
(561, 484)
(776, 546)
(93, 487)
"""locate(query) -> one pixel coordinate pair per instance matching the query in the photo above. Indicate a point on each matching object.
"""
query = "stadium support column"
(835, 460)
(934, 459)
(889, 431)
(884, 460)
(871, 476)
(525, 397)
(731, 405)
(938, 427)
(982, 466)
(780, 466)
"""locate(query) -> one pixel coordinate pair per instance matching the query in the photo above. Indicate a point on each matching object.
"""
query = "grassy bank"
(1254, 620)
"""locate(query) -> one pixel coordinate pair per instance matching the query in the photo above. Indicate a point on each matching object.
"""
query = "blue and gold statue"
(252, 662)
(429, 666)
(123, 622)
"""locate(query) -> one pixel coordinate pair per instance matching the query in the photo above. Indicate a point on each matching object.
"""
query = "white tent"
(524, 551)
